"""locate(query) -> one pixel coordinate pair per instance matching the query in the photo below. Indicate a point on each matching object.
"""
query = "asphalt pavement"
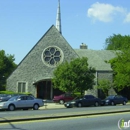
(50, 114)
(100, 122)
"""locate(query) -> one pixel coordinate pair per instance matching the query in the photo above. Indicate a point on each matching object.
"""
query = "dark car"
(87, 100)
(115, 99)
(63, 98)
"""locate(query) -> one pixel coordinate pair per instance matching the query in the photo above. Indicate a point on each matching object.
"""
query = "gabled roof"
(34, 62)
(97, 58)
(37, 43)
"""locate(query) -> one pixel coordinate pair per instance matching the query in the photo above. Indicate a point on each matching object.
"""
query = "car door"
(20, 102)
(29, 101)
(87, 100)
(119, 99)
(92, 100)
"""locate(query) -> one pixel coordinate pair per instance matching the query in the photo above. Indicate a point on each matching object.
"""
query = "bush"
(11, 92)
(7, 92)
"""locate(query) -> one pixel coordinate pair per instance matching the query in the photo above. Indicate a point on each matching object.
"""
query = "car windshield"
(77, 98)
(110, 97)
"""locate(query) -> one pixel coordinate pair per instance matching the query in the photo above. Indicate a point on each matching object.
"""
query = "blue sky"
(24, 22)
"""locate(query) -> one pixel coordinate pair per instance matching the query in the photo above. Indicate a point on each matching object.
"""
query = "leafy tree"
(117, 42)
(75, 76)
(7, 65)
(121, 63)
(121, 69)
(105, 85)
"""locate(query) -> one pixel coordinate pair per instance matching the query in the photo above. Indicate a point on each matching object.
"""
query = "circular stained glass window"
(52, 56)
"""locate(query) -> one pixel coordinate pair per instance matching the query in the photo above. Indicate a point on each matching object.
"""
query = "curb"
(63, 116)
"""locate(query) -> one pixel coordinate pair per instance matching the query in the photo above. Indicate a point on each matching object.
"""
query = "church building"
(35, 71)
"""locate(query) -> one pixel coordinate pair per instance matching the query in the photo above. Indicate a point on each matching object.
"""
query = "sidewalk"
(52, 106)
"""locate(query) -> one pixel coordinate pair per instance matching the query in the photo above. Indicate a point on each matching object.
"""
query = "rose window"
(52, 56)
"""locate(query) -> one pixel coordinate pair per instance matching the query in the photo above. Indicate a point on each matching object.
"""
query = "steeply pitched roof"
(33, 64)
(97, 58)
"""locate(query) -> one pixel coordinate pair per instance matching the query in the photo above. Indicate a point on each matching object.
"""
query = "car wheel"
(79, 104)
(35, 107)
(96, 104)
(61, 101)
(112, 103)
(11, 107)
(124, 103)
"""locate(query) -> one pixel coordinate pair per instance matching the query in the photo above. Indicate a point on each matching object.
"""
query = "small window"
(118, 96)
(29, 98)
(22, 98)
(91, 96)
(67, 95)
(22, 87)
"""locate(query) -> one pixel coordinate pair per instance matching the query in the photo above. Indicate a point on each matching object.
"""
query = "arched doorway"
(45, 90)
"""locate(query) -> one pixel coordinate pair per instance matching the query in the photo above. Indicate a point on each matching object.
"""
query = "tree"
(121, 69)
(121, 63)
(75, 76)
(117, 42)
(7, 65)
(105, 85)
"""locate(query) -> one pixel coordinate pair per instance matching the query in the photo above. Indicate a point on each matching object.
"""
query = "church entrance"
(45, 90)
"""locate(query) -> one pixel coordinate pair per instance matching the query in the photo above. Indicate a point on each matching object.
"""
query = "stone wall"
(32, 69)
(99, 75)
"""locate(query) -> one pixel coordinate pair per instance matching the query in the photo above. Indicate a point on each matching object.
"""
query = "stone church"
(35, 71)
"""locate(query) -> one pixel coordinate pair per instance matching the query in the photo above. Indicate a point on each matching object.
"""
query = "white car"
(22, 102)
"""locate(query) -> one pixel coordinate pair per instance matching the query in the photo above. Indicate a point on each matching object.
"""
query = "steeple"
(58, 18)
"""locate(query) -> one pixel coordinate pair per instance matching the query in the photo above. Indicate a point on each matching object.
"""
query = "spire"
(58, 18)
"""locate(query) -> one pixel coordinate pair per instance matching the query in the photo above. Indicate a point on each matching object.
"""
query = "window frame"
(22, 86)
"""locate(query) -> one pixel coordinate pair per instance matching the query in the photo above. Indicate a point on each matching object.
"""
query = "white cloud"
(127, 19)
(104, 12)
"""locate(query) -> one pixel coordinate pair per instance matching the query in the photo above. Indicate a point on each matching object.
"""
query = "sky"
(24, 22)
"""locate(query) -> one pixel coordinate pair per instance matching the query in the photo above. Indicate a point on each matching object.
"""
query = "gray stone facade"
(32, 70)
(99, 75)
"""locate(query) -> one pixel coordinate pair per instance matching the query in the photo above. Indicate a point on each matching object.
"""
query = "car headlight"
(72, 102)
(67, 105)
(107, 100)
(2, 104)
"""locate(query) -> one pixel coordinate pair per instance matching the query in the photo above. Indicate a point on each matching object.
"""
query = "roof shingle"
(97, 58)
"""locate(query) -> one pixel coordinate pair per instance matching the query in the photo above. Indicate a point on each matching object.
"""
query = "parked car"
(63, 98)
(4, 97)
(22, 102)
(87, 100)
(114, 99)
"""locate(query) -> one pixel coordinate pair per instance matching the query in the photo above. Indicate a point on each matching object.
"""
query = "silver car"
(22, 102)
